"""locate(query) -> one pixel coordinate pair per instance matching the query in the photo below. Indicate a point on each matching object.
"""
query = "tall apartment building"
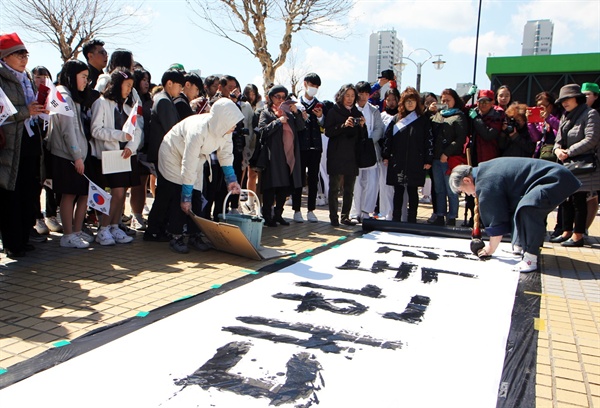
(537, 37)
(385, 49)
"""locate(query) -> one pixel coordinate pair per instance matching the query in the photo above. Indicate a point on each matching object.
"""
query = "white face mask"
(311, 91)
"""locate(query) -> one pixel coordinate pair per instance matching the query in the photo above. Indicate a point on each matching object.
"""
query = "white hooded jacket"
(188, 145)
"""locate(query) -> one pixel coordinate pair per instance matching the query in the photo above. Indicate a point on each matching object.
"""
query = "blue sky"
(442, 27)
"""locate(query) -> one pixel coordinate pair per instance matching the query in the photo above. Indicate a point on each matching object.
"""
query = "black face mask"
(391, 111)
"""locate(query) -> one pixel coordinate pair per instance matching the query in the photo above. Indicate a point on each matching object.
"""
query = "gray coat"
(66, 137)
(13, 129)
(582, 138)
(277, 173)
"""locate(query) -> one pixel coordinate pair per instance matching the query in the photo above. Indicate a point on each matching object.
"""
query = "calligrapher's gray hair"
(458, 174)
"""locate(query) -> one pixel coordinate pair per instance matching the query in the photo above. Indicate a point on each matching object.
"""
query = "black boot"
(278, 218)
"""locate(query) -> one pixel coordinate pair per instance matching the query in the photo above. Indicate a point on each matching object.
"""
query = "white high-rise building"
(537, 37)
(385, 49)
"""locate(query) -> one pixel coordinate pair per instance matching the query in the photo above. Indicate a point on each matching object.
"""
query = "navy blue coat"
(507, 184)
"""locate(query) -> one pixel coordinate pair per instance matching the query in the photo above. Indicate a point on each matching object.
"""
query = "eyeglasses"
(21, 55)
(102, 52)
(278, 97)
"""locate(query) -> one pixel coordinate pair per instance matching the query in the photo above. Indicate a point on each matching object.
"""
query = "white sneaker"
(137, 224)
(298, 217)
(53, 224)
(104, 237)
(527, 264)
(41, 227)
(311, 217)
(146, 210)
(119, 236)
(73, 241)
(85, 236)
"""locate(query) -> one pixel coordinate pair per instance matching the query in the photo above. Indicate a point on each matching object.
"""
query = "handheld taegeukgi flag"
(56, 103)
(98, 199)
(7, 109)
(131, 122)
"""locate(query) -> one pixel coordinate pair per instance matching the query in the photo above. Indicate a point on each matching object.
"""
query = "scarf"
(568, 122)
(449, 112)
(288, 140)
(25, 82)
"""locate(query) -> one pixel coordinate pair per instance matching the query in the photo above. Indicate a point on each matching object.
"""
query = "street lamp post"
(439, 64)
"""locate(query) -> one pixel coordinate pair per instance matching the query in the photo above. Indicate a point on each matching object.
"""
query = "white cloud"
(449, 16)
(569, 17)
(490, 43)
(145, 15)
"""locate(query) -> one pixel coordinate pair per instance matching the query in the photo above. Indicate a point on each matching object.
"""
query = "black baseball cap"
(387, 74)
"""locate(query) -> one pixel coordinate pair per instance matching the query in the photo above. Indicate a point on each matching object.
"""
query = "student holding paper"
(109, 114)
(69, 148)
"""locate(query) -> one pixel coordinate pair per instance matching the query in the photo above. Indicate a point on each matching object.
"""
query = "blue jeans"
(442, 191)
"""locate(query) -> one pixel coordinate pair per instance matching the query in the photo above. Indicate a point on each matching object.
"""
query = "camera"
(441, 106)
(356, 121)
(510, 125)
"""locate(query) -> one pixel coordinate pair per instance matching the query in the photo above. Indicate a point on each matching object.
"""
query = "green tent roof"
(539, 64)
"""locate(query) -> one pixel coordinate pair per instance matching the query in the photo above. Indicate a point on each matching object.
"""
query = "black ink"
(436, 271)
(323, 338)
(414, 312)
(405, 269)
(301, 375)
(312, 301)
(350, 264)
(371, 291)
(428, 275)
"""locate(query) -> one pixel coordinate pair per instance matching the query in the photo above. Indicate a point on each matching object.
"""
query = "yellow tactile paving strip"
(60, 294)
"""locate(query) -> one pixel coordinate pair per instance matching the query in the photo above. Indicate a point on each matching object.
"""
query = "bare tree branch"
(67, 24)
(248, 23)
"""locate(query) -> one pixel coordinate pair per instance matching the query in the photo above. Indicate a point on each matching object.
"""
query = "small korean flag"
(98, 199)
(55, 102)
(7, 109)
(131, 122)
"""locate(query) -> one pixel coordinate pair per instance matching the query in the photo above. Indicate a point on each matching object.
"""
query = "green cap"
(177, 66)
(590, 87)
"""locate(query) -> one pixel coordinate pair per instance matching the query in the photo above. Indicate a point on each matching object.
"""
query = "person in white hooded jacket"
(109, 114)
(182, 154)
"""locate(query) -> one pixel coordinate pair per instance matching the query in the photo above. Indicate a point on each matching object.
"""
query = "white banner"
(387, 320)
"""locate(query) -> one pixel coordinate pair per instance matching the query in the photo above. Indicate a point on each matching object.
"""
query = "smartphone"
(319, 105)
(534, 114)
(43, 92)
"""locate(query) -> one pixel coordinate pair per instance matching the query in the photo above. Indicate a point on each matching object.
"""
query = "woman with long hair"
(109, 114)
(344, 126)
(408, 151)
(69, 148)
(503, 98)
(450, 133)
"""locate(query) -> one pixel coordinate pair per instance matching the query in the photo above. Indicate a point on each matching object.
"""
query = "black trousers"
(309, 168)
(17, 208)
(335, 181)
(574, 213)
(159, 213)
(277, 195)
(413, 202)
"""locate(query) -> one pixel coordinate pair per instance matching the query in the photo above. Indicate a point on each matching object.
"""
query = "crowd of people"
(199, 139)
